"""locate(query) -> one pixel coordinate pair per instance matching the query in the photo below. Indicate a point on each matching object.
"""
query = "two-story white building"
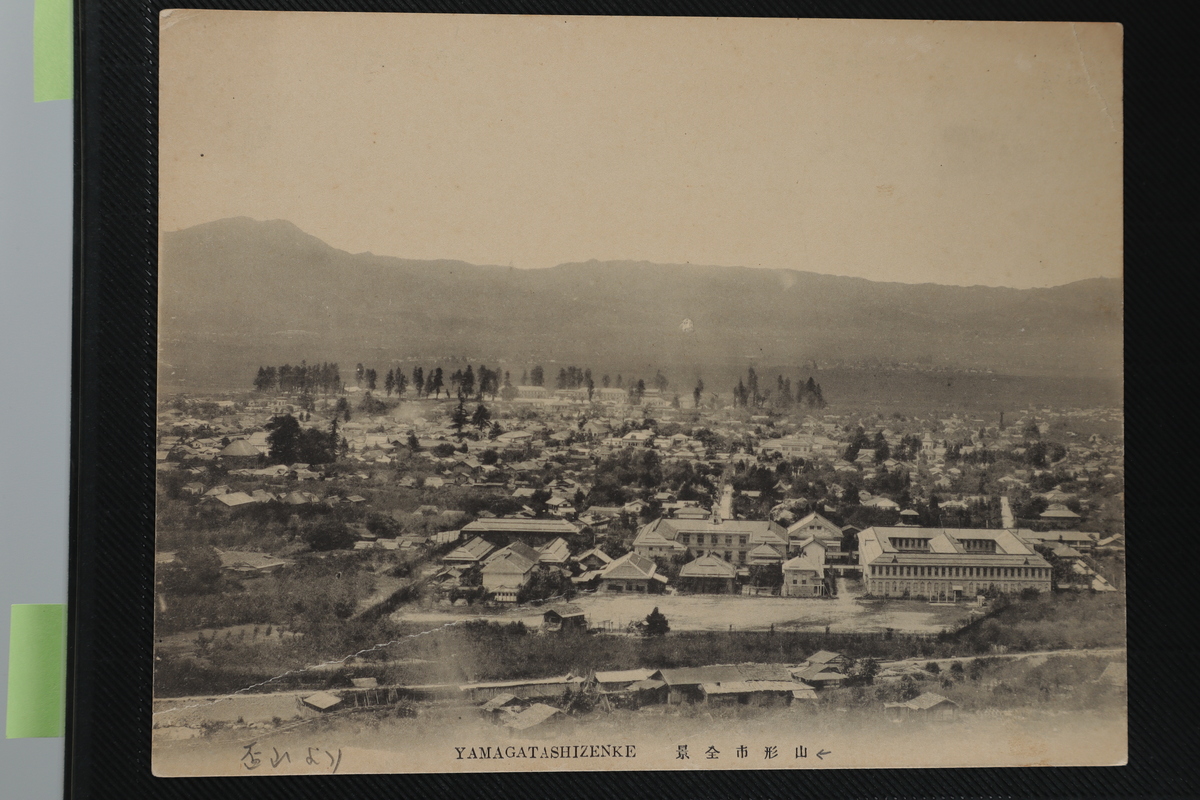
(948, 563)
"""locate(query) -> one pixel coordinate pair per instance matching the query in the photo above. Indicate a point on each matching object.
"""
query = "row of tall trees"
(469, 382)
(573, 377)
(750, 394)
(303, 378)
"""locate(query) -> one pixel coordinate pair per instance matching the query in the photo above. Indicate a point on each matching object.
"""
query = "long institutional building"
(948, 563)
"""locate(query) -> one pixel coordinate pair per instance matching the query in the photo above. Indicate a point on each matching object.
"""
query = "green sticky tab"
(53, 51)
(37, 670)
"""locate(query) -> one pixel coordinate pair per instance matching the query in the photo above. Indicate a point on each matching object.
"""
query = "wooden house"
(708, 573)
(686, 684)
(925, 705)
(564, 618)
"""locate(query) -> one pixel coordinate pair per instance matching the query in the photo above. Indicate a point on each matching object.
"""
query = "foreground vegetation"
(480, 651)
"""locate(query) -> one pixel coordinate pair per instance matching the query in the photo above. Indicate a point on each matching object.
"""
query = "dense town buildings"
(758, 492)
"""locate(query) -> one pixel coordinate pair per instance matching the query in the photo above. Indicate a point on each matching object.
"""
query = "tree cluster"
(196, 570)
(303, 378)
(572, 378)
(749, 394)
(469, 383)
(545, 584)
(328, 535)
(291, 444)
(369, 377)
(424, 385)
(395, 381)
(459, 418)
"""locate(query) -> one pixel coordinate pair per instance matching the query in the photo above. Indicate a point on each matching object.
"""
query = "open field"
(458, 645)
(725, 612)
(910, 391)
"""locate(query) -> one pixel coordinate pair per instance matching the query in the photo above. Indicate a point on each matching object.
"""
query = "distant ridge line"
(618, 262)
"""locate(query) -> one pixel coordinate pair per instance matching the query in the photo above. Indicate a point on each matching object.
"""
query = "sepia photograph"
(637, 393)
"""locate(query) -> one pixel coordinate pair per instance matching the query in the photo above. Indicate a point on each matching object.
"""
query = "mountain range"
(236, 293)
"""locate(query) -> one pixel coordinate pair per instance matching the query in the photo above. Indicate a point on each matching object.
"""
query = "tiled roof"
(708, 566)
(473, 550)
(630, 566)
(555, 527)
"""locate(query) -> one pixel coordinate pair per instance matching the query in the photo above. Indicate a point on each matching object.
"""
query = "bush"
(384, 525)
(197, 570)
(656, 623)
(328, 535)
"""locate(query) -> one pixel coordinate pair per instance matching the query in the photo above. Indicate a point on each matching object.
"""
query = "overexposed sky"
(948, 152)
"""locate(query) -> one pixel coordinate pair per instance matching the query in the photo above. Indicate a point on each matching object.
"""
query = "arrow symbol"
(822, 753)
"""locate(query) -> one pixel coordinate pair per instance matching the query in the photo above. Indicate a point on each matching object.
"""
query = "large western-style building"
(816, 526)
(804, 574)
(729, 539)
(799, 446)
(948, 563)
(535, 532)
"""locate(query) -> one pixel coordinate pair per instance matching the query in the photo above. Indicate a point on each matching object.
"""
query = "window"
(728, 556)
(686, 538)
(742, 540)
(728, 541)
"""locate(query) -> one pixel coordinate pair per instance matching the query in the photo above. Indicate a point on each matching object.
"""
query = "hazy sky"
(959, 153)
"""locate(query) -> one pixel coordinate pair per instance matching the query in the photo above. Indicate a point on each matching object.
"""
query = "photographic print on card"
(596, 393)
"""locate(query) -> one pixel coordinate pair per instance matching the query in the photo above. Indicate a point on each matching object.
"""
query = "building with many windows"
(799, 446)
(816, 526)
(948, 563)
(534, 532)
(729, 539)
(804, 575)
(631, 573)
